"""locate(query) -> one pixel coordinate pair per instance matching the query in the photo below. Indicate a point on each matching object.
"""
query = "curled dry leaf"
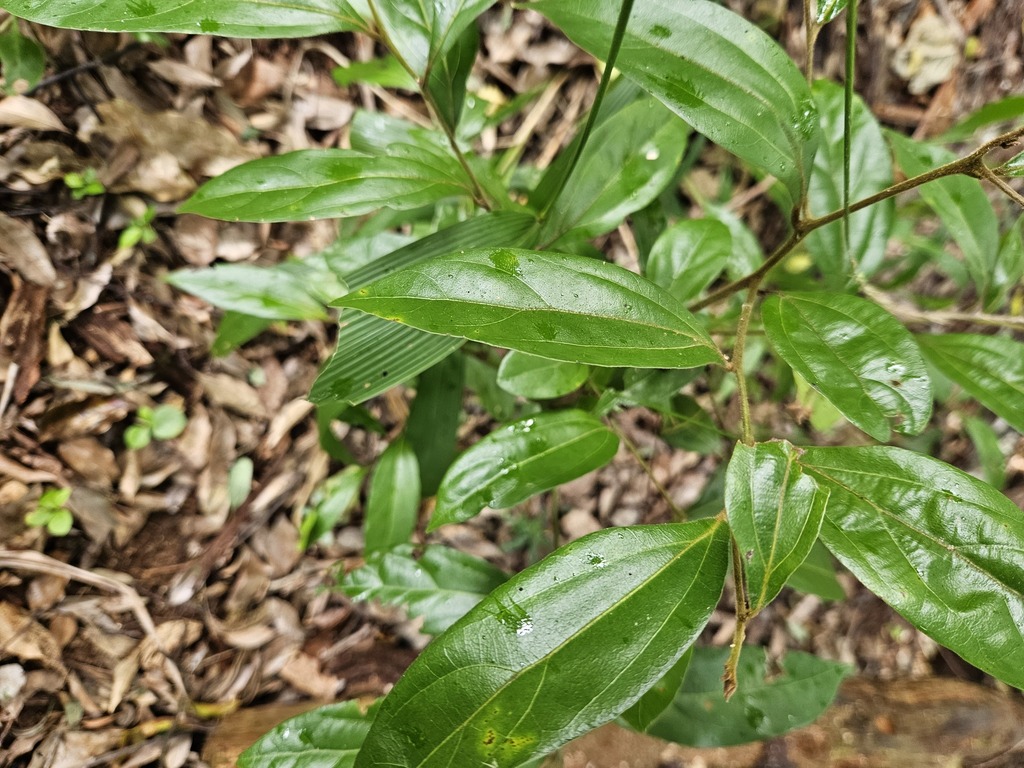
(23, 112)
(25, 253)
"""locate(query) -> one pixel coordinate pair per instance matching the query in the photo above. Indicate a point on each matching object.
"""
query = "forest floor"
(90, 333)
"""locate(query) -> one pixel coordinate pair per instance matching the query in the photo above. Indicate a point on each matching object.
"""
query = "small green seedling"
(139, 231)
(84, 184)
(165, 422)
(51, 513)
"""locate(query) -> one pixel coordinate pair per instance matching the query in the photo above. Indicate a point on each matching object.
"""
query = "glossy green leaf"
(422, 31)
(856, 354)
(986, 446)
(482, 380)
(250, 290)
(521, 459)
(761, 709)
(775, 512)
(960, 202)
(549, 304)
(688, 256)
(332, 503)
(627, 162)
(434, 419)
(941, 547)
(989, 368)
(328, 183)
(231, 18)
(375, 354)
(441, 584)
(539, 378)
(327, 737)
(816, 575)
(828, 10)
(871, 171)
(504, 683)
(658, 698)
(393, 500)
(737, 86)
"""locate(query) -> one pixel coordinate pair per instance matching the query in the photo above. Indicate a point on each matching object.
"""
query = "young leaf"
(504, 682)
(22, 58)
(1009, 268)
(549, 304)
(393, 499)
(441, 585)
(330, 735)
(738, 87)
(960, 202)
(775, 512)
(871, 167)
(333, 501)
(688, 256)
(231, 18)
(522, 459)
(539, 378)
(828, 10)
(627, 162)
(250, 290)
(375, 354)
(941, 547)
(446, 84)
(328, 183)
(989, 368)
(422, 31)
(434, 419)
(856, 354)
(761, 709)
(990, 454)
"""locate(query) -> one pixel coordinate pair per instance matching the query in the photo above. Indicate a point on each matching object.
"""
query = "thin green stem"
(851, 78)
(613, 53)
(811, 29)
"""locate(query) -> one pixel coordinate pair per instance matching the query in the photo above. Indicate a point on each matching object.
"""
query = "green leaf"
(539, 378)
(327, 184)
(504, 683)
(762, 709)
(234, 330)
(990, 454)
(989, 368)
(446, 84)
(856, 354)
(549, 304)
(1014, 167)
(39, 516)
(22, 58)
(393, 500)
(1009, 268)
(717, 71)
(137, 436)
(386, 72)
(231, 18)
(332, 503)
(1005, 110)
(434, 419)
(421, 32)
(960, 202)
(375, 354)
(167, 422)
(250, 290)
(630, 158)
(482, 380)
(657, 699)
(775, 512)
(689, 426)
(941, 547)
(817, 575)
(688, 256)
(240, 481)
(441, 585)
(55, 498)
(828, 10)
(60, 523)
(871, 169)
(326, 736)
(521, 459)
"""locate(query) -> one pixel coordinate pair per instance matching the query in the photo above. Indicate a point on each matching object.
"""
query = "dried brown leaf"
(25, 112)
(25, 253)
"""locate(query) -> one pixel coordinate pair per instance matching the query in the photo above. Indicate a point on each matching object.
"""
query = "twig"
(89, 66)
